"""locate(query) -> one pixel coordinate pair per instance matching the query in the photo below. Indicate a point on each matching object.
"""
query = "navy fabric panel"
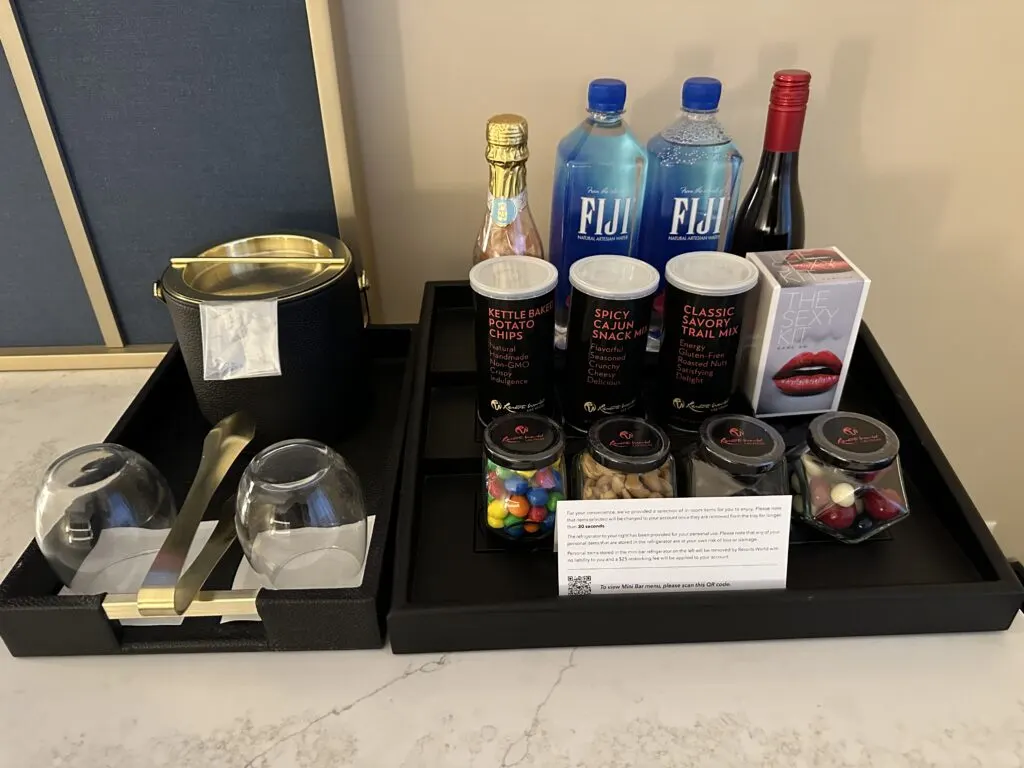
(42, 297)
(184, 124)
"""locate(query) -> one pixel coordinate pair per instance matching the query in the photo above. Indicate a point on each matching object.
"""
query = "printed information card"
(672, 545)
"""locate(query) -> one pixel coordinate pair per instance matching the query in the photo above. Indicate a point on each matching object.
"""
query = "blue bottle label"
(505, 210)
(597, 220)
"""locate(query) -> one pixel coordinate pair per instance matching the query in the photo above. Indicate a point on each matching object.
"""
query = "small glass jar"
(848, 482)
(625, 458)
(524, 475)
(737, 456)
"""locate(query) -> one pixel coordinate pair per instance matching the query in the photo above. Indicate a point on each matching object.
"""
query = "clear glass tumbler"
(301, 517)
(101, 516)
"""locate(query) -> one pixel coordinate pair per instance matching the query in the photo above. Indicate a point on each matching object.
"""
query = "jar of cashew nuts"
(625, 458)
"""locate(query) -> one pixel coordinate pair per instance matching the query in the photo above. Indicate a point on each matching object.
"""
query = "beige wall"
(911, 160)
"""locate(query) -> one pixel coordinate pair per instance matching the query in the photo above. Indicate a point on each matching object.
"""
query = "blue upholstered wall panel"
(42, 298)
(184, 124)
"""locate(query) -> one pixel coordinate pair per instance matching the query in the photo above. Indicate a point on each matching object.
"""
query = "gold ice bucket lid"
(276, 266)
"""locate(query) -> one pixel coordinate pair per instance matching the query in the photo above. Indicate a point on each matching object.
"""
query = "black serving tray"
(456, 589)
(163, 423)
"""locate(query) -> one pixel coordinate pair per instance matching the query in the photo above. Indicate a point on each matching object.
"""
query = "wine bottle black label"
(607, 343)
(514, 354)
(697, 363)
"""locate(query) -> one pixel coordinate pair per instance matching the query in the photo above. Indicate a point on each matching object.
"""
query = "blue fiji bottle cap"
(606, 94)
(701, 93)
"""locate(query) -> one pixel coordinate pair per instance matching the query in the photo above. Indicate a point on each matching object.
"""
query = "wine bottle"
(771, 216)
(508, 228)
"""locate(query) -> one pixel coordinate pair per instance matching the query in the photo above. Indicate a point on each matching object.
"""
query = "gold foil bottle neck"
(506, 139)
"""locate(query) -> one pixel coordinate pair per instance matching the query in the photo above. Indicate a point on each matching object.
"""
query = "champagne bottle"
(771, 216)
(508, 228)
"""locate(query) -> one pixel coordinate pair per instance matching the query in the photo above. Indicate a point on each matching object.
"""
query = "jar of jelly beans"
(625, 458)
(847, 482)
(737, 456)
(524, 475)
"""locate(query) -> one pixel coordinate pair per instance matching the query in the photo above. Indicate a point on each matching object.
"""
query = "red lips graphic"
(819, 261)
(809, 373)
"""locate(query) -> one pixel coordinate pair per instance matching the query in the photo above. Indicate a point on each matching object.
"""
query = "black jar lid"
(628, 444)
(523, 441)
(741, 445)
(852, 441)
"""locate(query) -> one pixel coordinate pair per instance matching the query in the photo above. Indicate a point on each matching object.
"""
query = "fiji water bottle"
(600, 171)
(693, 175)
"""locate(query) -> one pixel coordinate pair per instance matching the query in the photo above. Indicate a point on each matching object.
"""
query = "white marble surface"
(920, 701)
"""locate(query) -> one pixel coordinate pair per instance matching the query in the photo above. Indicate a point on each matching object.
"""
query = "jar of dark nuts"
(737, 456)
(625, 458)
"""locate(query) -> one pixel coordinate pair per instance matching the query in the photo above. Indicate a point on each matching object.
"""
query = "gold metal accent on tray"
(277, 266)
(81, 358)
(216, 602)
(162, 592)
(199, 571)
(45, 138)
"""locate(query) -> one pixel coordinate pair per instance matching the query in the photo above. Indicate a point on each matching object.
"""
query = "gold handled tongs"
(166, 591)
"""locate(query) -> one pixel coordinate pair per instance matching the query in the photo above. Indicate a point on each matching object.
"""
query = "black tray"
(163, 423)
(456, 589)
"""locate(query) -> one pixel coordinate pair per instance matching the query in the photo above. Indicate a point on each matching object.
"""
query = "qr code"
(579, 585)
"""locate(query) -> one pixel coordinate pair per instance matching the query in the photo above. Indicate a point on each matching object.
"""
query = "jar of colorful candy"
(524, 475)
(848, 482)
(737, 456)
(625, 458)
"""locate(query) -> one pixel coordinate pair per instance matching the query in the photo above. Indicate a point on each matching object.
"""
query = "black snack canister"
(609, 313)
(704, 297)
(514, 334)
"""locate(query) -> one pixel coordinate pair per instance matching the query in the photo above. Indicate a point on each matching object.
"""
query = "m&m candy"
(538, 497)
(545, 478)
(517, 485)
(496, 486)
(553, 498)
(520, 500)
(517, 505)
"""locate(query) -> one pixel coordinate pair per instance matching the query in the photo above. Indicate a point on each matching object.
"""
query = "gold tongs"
(165, 590)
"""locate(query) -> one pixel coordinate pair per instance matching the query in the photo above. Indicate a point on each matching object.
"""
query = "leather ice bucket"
(321, 390)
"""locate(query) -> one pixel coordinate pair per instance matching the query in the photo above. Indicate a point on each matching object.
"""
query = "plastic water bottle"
(692, 179)
(600, 172)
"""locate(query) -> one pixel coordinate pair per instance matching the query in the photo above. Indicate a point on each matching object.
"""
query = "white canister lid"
(513, 278)
(614, 277)
(711, 273)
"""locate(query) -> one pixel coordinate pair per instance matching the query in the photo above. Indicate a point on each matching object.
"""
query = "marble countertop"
(904, 701)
